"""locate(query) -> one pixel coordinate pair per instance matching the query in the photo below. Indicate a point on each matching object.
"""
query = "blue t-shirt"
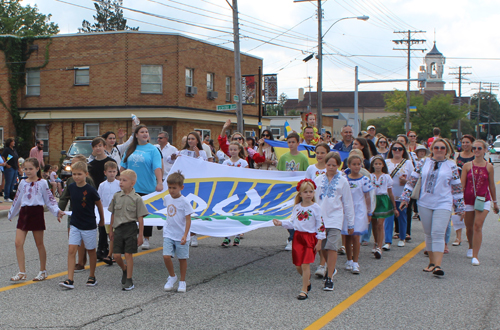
(144, 161)
(83, 203)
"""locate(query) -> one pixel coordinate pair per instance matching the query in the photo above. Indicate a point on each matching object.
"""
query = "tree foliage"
(277, 109)
(109, 17)
(490, 109)
(24, 21)
(439, 111)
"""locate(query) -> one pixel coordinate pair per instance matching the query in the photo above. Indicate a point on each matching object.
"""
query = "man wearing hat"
(371, 130)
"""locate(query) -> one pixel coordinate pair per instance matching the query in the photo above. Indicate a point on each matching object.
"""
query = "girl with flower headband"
(309, 231)
(311, 122)
(335, 199)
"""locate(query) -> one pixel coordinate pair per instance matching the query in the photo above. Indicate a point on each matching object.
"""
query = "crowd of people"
(379, 188)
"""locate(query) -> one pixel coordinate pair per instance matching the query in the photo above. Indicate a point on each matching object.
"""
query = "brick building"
(92, 83)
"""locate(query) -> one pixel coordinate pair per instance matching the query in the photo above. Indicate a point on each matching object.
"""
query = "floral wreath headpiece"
(305, 180)
(308, 114)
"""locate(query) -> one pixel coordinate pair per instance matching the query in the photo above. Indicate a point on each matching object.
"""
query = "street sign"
(236, 98)
(226, 107)
(453, 130)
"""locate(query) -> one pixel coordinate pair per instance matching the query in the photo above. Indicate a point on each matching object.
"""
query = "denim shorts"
(171, 248)
(89, 237)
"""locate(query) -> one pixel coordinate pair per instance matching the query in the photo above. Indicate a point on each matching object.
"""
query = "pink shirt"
(481, 179)
(38, 154)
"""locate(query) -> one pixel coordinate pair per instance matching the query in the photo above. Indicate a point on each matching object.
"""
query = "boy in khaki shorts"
(127, 208)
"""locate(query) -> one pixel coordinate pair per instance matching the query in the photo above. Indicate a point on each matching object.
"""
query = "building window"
(91, 130)
(228, 89)
(204, 132)
(42, 133)
(276, 132)
(250, 134)
(1, 136)
(189, 77)
(33, 82)
(210, 82)
(82, 76)
(151, 79)
(155, 130)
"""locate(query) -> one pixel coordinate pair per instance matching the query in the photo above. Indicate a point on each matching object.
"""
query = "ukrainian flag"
(281, 148)
(288, 129)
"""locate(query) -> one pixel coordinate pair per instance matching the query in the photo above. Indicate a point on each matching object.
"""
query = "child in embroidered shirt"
(32, 194)
(315, 170)
(360, 188)
(309, 231)
(385, 208)
(176, 232)
(237, 153)
(106, 191)
(334, 197)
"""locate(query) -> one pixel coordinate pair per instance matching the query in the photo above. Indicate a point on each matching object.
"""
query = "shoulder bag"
(415, 194)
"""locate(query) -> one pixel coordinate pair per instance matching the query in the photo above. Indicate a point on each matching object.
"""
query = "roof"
(366, 99)
(434, 51)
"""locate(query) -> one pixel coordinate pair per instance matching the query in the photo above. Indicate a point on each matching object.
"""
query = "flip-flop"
(108, 260)
(301, 297)
(428, 269)
(438, 271)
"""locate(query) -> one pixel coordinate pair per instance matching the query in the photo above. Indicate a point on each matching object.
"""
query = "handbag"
(415, 194)
(480, 200)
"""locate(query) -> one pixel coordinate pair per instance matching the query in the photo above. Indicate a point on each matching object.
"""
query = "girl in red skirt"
(309, 231)
(32, 194)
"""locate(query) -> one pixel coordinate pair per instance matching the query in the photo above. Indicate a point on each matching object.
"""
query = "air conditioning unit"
(191, 90)
(212, 95)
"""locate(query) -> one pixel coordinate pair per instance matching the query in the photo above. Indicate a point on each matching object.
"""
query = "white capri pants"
(435, 223)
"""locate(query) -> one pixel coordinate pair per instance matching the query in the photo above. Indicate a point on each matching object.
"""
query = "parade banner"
(249, 89)
(227, 200)
(281, 148)
(271, 88)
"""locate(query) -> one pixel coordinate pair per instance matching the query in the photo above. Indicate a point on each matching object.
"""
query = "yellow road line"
(497, 182)
(337, 310)
(21, 284)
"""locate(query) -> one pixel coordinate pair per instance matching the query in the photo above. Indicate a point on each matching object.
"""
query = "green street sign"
(453, 130)
(235, 98)
(226, 107)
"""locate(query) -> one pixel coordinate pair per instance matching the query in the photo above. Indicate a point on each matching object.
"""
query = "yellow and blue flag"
(281, 148)
(288, 129)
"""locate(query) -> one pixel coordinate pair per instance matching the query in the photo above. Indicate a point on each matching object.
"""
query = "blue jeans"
(388, 229)
(402, 223)
(448, 233)
(10, 180)
(366, 236)
(291, 232)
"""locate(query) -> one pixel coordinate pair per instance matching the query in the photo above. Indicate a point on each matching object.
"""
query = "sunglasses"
(264, 135)
(382, 141)
(237, 138)
(412, 136)
(477, 148)
(439, 148)
(397, 149)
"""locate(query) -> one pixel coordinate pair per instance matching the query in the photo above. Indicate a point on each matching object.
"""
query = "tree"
(109, 18)
(277, 109)
(490, 109)
(24, 21)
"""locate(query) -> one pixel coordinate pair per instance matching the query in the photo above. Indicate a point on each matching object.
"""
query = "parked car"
(495, 152)
(82, 145)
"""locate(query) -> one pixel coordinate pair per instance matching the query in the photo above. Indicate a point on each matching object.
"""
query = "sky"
(283, 33)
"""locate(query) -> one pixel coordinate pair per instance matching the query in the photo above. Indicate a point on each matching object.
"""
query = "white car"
(495, 156)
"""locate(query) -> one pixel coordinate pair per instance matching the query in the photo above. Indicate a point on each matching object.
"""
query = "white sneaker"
(401, 243)
(288, 246)
(348, 265)
(170, 283)
(378, 253)
(469, 253)
(145, 244)
(194, 241)
(182, 286)
(475, 262)
(386, 247)
(374, 249)
(8, 200)
(355, 268)
(320, 271)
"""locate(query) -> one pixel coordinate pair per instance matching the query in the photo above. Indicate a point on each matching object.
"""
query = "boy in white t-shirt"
(106, 191)
(176, 232)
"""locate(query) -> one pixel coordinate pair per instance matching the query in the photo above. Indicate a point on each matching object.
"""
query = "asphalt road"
(253, 286)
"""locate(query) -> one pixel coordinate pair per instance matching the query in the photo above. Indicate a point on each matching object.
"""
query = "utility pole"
(409, 42)
(319, 107)
(478, 110)
(460, 78)
(237, 68)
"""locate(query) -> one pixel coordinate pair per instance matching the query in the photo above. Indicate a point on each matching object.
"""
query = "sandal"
(302, 297)
(429, 268)
(108, 260)
(19, 277)
(438, 271)
(457, 243)
(42, 275)
(408, 238)
(396, 236)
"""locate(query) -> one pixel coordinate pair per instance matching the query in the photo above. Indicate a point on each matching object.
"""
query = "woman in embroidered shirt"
(478, 181)
(360, 189)
(412, 144)
(440, 190)
(309, 231)
(400, 167)
(385, 207)
(32, 194)
(265, 158)
(334, 197)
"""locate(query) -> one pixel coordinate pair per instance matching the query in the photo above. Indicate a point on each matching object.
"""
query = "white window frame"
(82, 70)
(210, 81)
(228, 89)
(273, 130)
(86, 129)
(189, 77)
(249, 134)
(38, 135)
(160, 84)
(203, 133)
(153, 138)
(32, 89)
